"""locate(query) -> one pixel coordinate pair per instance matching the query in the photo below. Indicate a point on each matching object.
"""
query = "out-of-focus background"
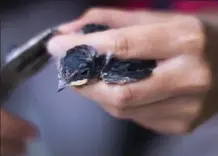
(71, 125)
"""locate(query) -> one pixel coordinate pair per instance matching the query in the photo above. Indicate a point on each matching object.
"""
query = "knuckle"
(196, 39)
(181, 128)
(164, 84)
(123, 98)
(119, 113)
(196, 110)
(121, 44)
(94, 10)
(198, 81)
(201, 80)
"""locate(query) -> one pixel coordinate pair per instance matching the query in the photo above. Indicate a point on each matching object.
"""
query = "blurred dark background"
(69, 124)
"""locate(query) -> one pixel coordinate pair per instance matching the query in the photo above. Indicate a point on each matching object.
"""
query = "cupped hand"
(170, 100)
(14, 134)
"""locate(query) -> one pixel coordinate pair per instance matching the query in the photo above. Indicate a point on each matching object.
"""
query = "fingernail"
(64, 27)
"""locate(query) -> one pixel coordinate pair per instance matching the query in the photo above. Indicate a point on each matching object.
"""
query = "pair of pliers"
(24, 61)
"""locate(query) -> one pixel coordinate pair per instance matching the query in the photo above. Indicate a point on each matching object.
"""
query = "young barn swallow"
(83, 63)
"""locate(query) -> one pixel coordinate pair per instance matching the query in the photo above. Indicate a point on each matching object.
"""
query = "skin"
(171, 101)
(14, 134)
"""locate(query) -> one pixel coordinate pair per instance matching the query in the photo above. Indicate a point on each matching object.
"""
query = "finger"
(116, 18)
(165, 127)
(182, 108)
(74, 26)
(14, 127)
(12, 147)
(156, 116)
(173, 116)
(107, 16)
(158, 41)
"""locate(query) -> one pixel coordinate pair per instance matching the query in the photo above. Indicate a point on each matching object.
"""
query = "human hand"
(14, 133)
(170, 100)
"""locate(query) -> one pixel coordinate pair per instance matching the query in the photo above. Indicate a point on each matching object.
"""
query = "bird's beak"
(79, 82)
(61, 85)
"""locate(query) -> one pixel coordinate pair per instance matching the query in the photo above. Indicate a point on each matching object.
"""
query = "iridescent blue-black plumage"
(125, 71)
(79, 63)
(78, 66)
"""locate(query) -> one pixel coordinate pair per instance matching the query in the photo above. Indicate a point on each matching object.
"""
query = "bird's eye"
(85, 72)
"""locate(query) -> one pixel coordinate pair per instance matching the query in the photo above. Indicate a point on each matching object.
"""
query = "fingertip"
(65, 28)
(70, 27)
(58, 45)
(33, 131)
(26, 130)
(53, 46)
(15, 127)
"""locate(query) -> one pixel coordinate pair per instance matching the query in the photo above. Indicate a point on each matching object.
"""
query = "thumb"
(155, 41)
(15, 128)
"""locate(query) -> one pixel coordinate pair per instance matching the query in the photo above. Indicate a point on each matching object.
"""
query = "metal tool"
(23, 62)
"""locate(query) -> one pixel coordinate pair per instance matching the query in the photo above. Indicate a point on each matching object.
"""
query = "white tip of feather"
(108, 56)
